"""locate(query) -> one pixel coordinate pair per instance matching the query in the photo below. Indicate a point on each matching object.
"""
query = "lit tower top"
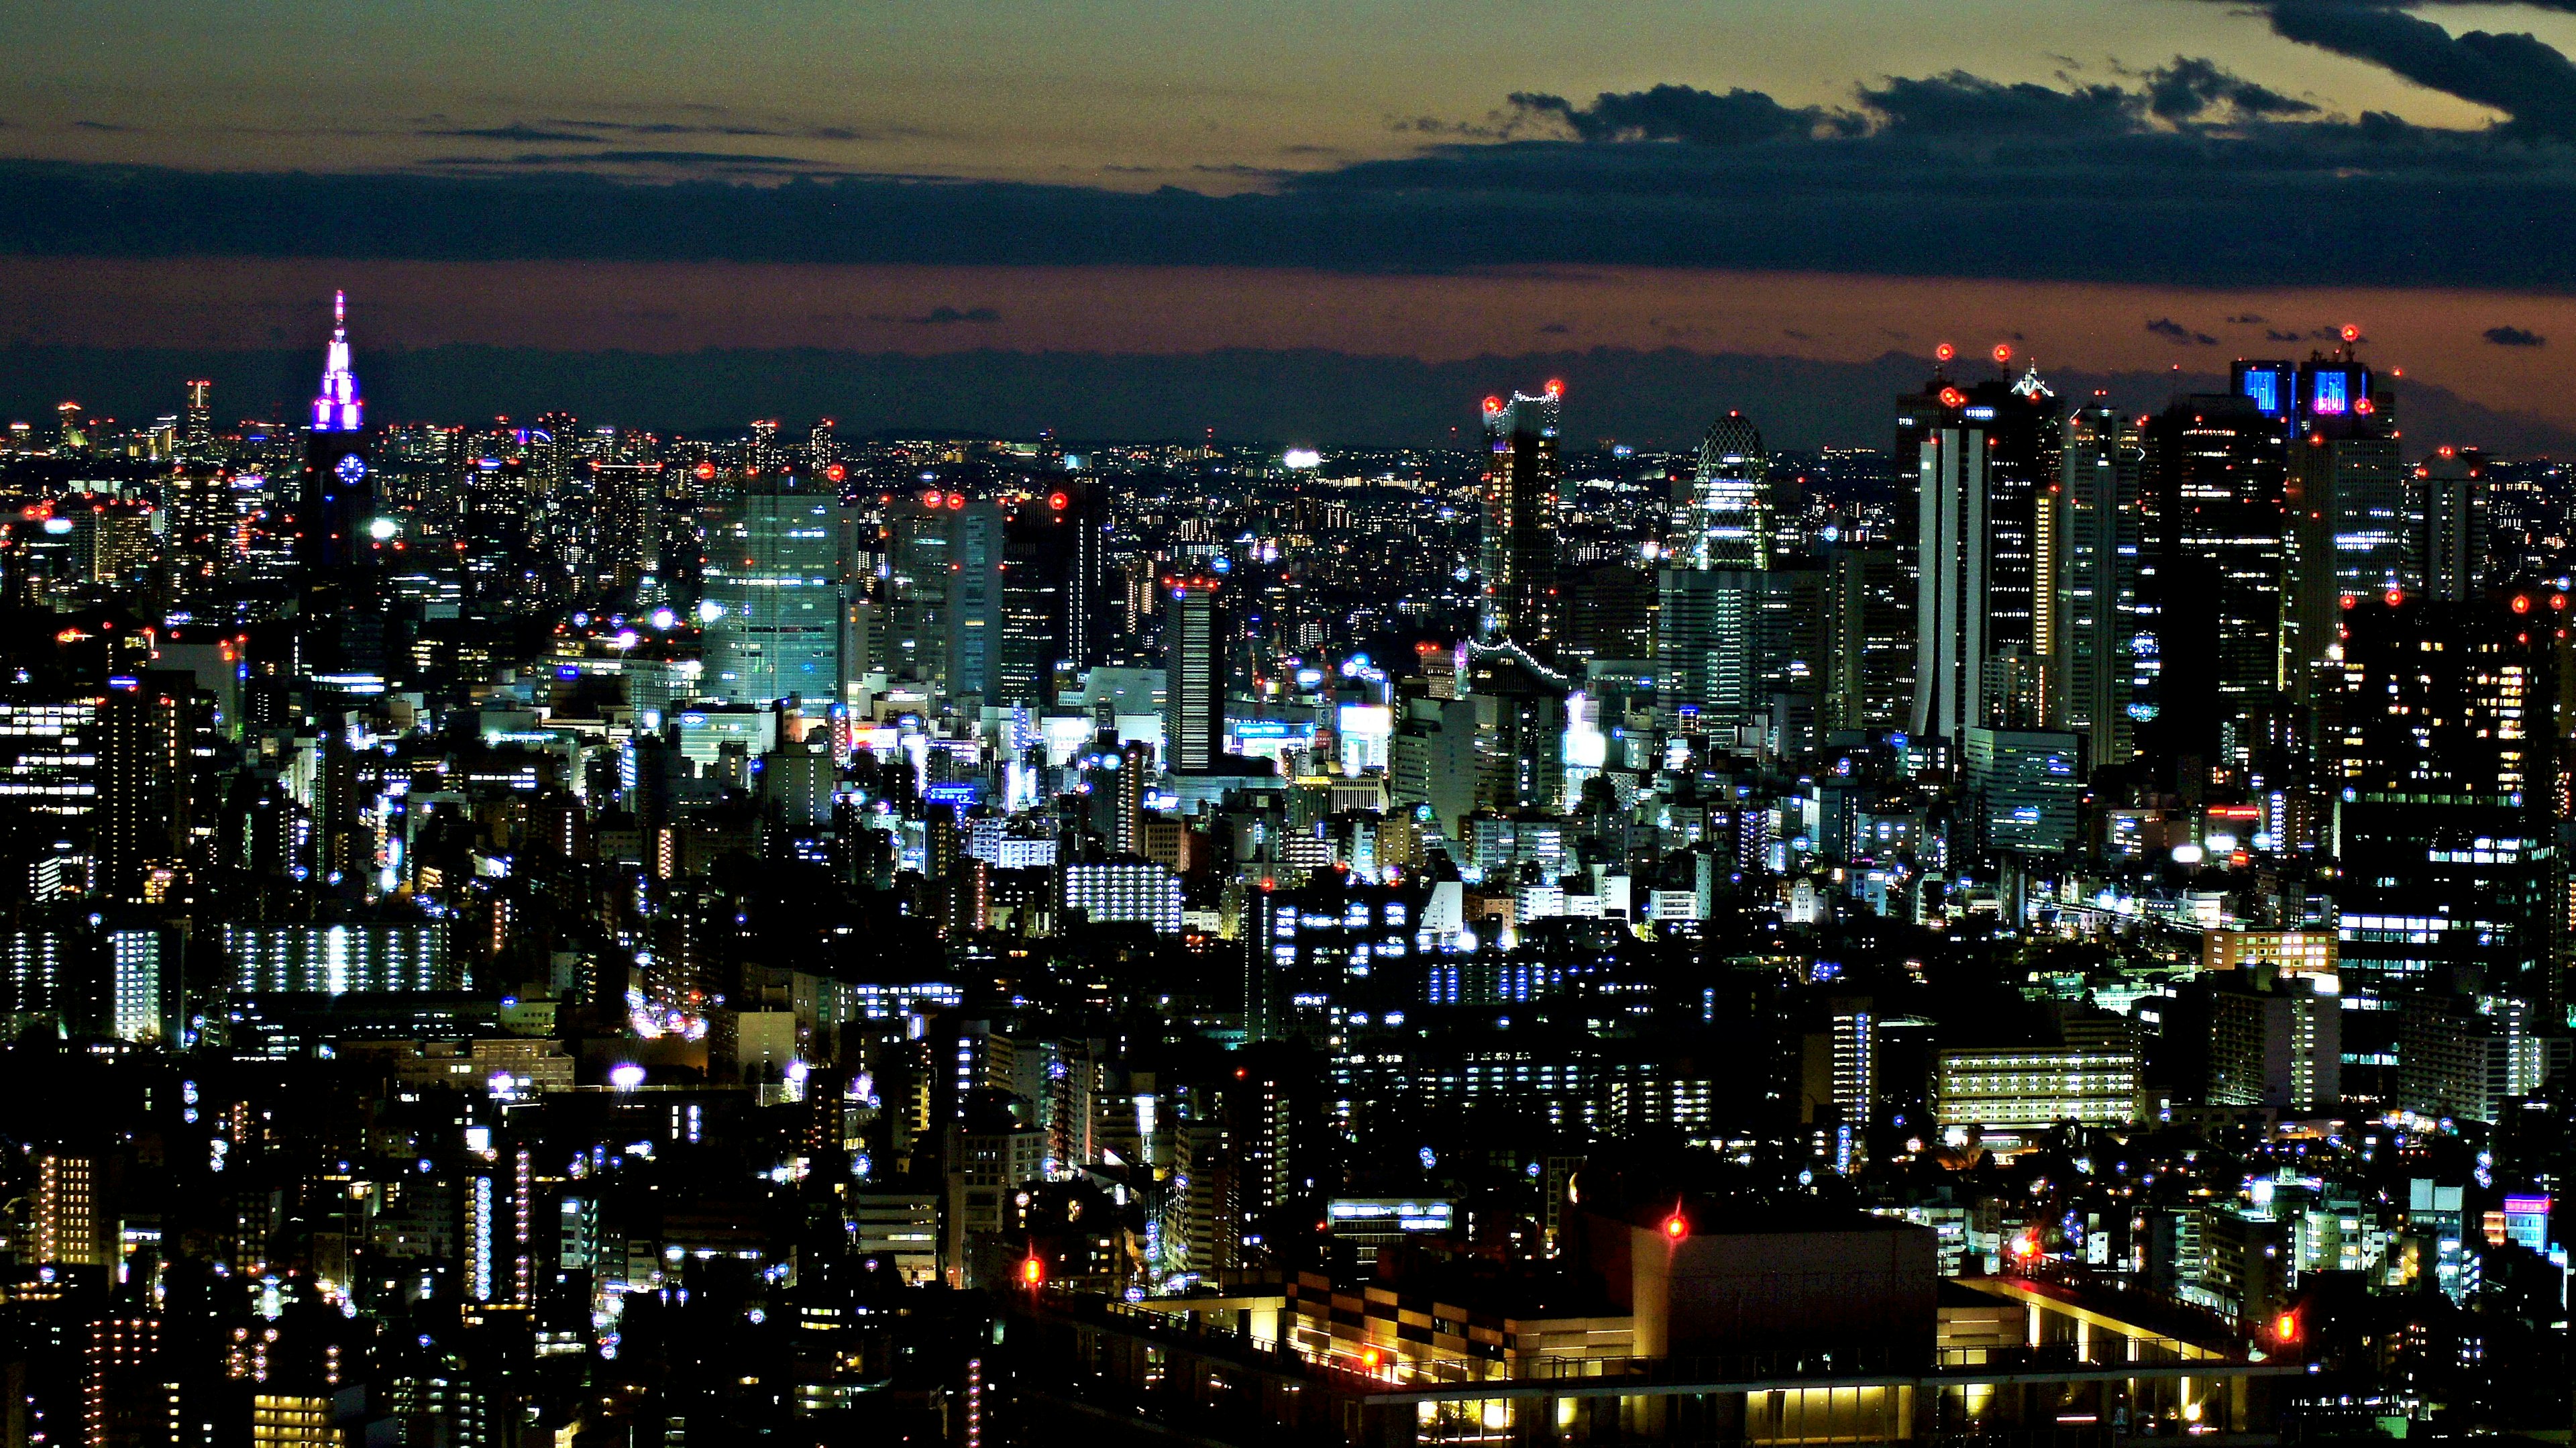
(336, 409)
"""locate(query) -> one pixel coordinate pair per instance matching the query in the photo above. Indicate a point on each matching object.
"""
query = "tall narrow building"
(1194, 677)
(341, 631)
(2353, 520)
(1984, 465)
(2217, 466)
(2111, 657)
(1519, 551)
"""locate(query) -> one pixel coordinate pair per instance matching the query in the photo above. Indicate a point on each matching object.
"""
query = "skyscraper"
(2111, 658)
(1983, 462)
(197, 434)
(2444, 824)
(1519, 550)
(1194, 677)
(2352, 521)
(777, 570)
(338, 497)
(1727, 523)
(2217, 478)
(945, 605)
(1054, 592)
(2454, 494)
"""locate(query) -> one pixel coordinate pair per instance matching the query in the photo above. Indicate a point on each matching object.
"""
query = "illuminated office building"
(2217, 481)
(2112, 657)
(2354, 527)
(777, 571)
(2454, 491)
(1518, 572)
(1727, 523)
(1980, 465)
(1194, 640)
(2444, 824)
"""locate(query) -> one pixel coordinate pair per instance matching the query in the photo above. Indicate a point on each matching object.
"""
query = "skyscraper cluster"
(2046, 923)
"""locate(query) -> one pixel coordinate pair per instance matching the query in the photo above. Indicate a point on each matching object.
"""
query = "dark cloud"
(2191, 89)
(2247, 319)
(2172, 330)
(2516, 73)
(2275, 334)
(1950, 175)
(2514, 337)
(517, 131)
(951, 316)
(1683, 113)
(1961, 105)
(110, 126)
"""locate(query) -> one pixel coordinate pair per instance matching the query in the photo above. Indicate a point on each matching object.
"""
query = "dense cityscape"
(2044, 926)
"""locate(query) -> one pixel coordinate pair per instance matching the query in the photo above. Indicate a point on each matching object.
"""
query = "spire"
(336, 409)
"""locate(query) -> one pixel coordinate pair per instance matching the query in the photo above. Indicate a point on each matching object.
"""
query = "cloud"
(2172, 330)
(951, 316)
(2516, 73)
(2514, 337)
(2247, 319)
(2191, 89)
(518, 131)
(1957, 104)
(1683, 113)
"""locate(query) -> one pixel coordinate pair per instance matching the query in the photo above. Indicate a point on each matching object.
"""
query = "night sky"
(1070, 195)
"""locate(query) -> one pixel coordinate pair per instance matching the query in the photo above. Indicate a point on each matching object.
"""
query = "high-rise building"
(1194, 650)
(2275, 1042)
(312, 957)
(1984, 464)
(1055, 620)
(2217, 481)
(776, 575)
(2454, 496)
(2444, 828)
(2353, 526)
(139, 826)
(1727, 523)
(2026, 785)
(1729, 640)
(944, 619)
(1519, 550)
(2111, 657)
(197, 432)
(338, 495)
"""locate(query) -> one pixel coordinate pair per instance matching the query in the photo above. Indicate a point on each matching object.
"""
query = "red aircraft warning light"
(1059, 501)
(706, 472)
(1032, 1273)
(2003, 353)
(1676, 1227)
(1953, 397)
(1944, 352)
(836, 472)
(2351, 333)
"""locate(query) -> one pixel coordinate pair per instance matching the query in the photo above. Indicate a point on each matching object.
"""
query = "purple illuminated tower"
(338, 494)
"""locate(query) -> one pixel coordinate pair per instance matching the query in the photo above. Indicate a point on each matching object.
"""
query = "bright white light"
(1301, 457)
(2189, 854)
(626, 1078)
(383, 528)
(710, 611)
(663, 618)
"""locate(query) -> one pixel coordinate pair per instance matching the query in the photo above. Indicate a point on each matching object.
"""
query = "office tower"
(1520, 731)
(1727, 523)
(1980, 466)
(776, 576)
(1518, 558)
(2353, 528)
(1609, 615)
(2444, 826)
(628, 500)
(2111, 657)
(821, 449)
(2275, 1041)
(2454, 497)
(1055, 596)
(554, 445)
(1728, 640)
(2217, 470)
(1194, 649)
(139, 827)
(132, 1388)
(762, 454)
(1867, 657)
(338, 497)
(2026, 785)
(70, 1223)
(944, 606)
(197, 434)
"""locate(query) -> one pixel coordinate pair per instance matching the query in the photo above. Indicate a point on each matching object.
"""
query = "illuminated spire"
(336, 409)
